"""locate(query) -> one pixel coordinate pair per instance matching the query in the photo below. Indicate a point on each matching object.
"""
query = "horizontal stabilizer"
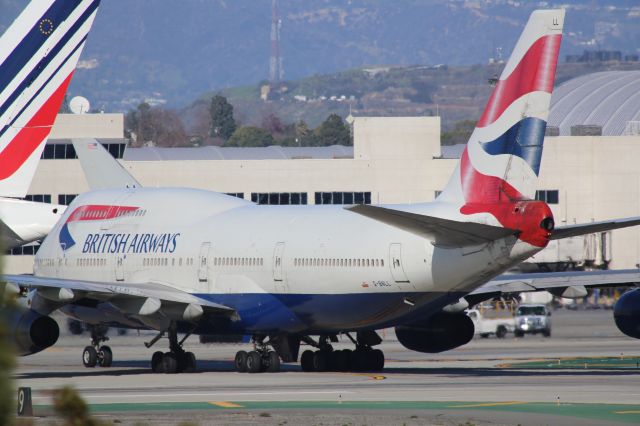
(101, 170)
(446, 232)
(551, 281)
(589, 228)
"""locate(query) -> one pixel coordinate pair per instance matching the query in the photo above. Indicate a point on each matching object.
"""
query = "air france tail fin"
(38, 54)
(502, 159)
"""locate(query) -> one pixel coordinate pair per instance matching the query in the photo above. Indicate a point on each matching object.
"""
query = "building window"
(66, 151)
(279, 198)
(66, 199)
(549, 196)
(39, 198)
(28, 250)
(343, 197)
(236, 194)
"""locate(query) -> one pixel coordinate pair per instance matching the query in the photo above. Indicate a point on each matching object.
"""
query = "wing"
(135, 299)
(101, 170)
(589, 228)
(571, 284)
(445, 232)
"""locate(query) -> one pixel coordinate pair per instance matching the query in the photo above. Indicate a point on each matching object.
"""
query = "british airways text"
(130, 243)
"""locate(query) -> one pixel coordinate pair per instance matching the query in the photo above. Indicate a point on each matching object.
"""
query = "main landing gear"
(177, 360)
(95, 354)
(261, 359)
(363, 358)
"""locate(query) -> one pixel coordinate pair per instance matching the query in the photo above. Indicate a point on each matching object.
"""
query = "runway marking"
(628, 412)
(226, 404)
(489, 404)
(371, 376)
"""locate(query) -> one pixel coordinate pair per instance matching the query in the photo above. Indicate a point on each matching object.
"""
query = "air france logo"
(91, 213)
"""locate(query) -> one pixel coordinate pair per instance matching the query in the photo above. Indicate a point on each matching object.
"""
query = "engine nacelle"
(439, 333)
(626, 313)
(31, 331)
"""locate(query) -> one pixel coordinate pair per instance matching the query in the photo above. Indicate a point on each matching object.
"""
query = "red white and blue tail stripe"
(38, 54)
(501, 162)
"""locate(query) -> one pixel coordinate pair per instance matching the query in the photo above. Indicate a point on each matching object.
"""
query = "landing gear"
(95, 354)
(177, 360)
(259, 360)
(363, 358)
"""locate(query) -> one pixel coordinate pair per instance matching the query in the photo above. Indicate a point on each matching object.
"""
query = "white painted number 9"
(20, 401)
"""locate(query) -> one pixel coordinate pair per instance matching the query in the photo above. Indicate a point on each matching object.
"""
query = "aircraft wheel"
(189, 361)
(321, 361)
(359, 360)
(376, 360)
(273, 362)
(306, 360)
(89, 357)
(157, 365)
(241, 361)
(342, 360)
(105, 356)
(254, 362)
(170, 363)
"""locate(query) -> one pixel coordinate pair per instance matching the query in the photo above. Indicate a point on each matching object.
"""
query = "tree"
(222, 122)
(333, 131)
(161, 126)
(250, 136)
(460, 133)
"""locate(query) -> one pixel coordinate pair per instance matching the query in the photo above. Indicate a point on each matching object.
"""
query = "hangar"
(393, 160)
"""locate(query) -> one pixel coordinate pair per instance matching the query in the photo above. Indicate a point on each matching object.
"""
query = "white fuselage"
(291, 268)
(27, 221)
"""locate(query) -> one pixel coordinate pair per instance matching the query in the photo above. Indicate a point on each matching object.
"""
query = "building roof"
(608, 99)
(217, 153)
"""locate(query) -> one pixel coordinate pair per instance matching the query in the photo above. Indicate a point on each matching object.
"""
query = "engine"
(31, 331)
(439, 333)
(626, 313)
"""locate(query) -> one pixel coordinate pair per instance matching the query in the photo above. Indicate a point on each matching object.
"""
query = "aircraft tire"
(157, 365)
(241, 361)
(189, 362)
(105, 356)
(170, 363)
(342, 360)
(306, 361)
(376, 360)
(254, 362)
(321, 361)
(89, 357)
(273, 362)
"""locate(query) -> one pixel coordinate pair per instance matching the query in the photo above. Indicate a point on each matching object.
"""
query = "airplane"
(38, 55)
(179, 260)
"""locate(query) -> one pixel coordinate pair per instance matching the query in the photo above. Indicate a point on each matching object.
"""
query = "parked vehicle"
(493, 319)
(533, 319)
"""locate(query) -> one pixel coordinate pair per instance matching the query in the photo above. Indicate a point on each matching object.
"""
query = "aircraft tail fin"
(502, 159)
(38, 55)
(101, 170)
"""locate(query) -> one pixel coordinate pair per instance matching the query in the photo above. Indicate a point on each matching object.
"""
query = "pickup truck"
(488, 323)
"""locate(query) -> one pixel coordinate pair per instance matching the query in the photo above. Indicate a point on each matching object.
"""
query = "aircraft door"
(278, 276)
(395, 263)
(119, 268)
(203, 265)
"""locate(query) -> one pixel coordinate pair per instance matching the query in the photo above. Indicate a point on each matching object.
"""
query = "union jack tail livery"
(38, 54)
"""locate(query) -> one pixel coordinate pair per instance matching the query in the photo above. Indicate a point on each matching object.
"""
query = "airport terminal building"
(393, 160)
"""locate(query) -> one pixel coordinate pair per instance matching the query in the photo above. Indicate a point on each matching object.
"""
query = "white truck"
(533, 319)
(492, 322)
